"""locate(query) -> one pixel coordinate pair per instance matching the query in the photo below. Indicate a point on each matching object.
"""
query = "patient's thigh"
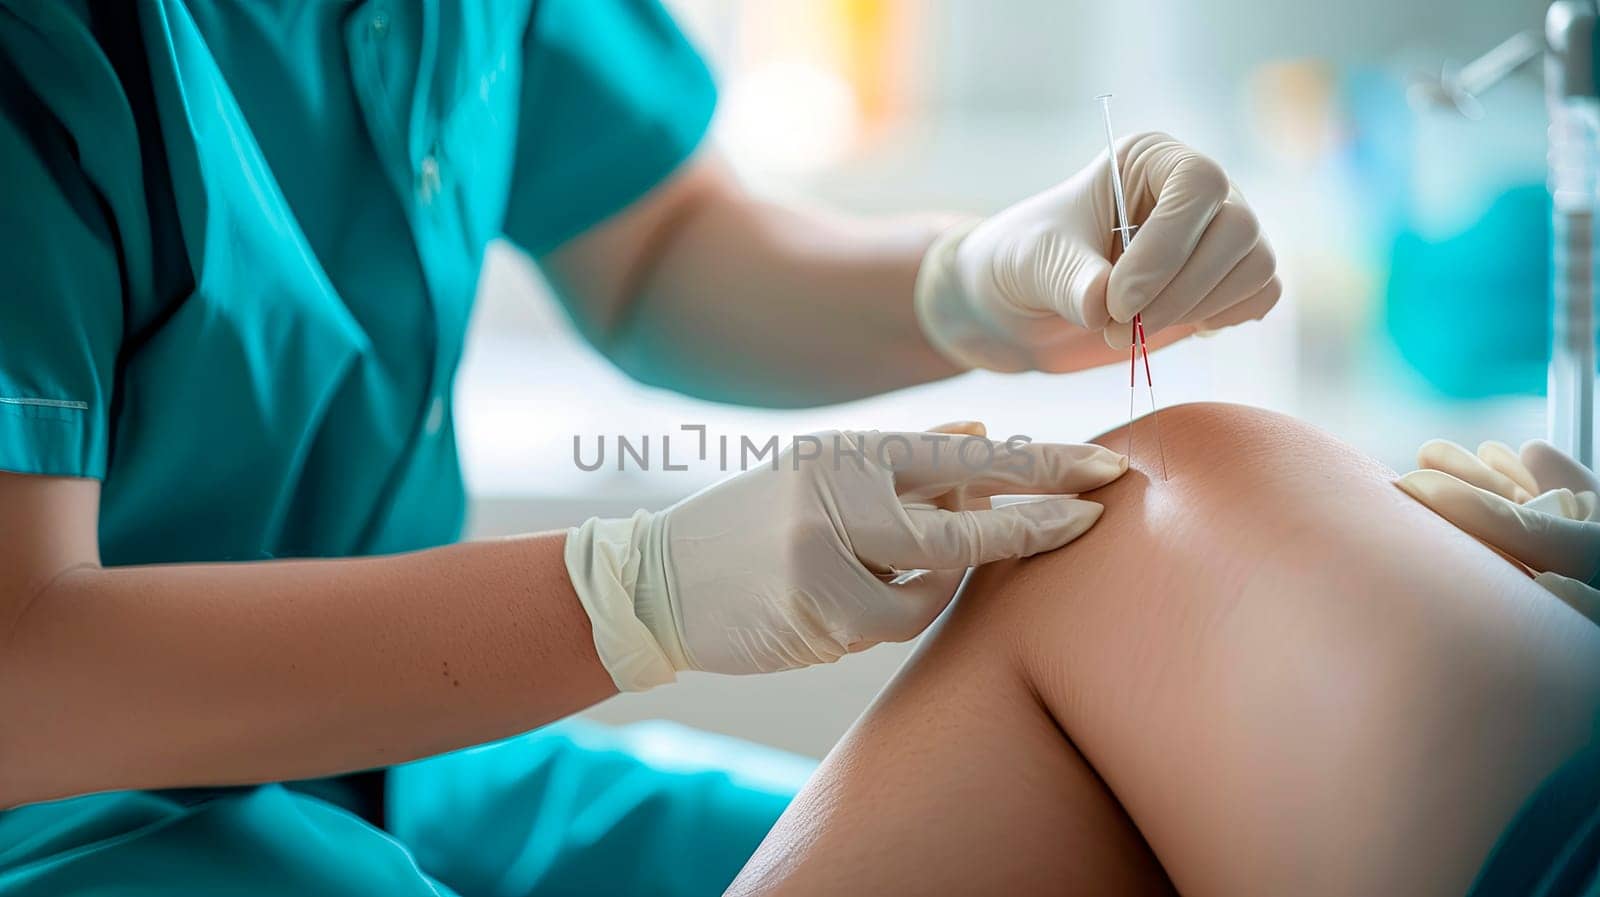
(957, 781)
(1294, 678)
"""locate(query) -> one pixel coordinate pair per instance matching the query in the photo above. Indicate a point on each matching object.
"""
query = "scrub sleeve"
(61, 304)
(614, 99)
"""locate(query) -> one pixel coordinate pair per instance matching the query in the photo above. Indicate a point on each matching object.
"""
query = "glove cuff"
(950, 318)
(620, 580)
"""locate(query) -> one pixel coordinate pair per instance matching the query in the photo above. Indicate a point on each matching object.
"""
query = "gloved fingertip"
(1086, 296)
(1109, 467)
(1084, 514)
(1055, 522)
(1119, 336)
(1504, 460)
(1126, 305)
(1494, 447)
(1434, 452)
(1551, 467)
(1097, 455)
(1054, 511)
(1581, 597)
(1534, 446)
(1093, 314)
(1420, 484)
(1092, 510)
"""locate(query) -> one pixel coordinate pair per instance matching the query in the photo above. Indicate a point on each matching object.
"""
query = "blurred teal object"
(574, 808)
(1552, 847)
(1468, 308)
(1471, 312)
(651, 808)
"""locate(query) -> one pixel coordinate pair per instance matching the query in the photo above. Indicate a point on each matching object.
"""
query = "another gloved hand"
(1539, 507)
(844, 542)
(1021, 290)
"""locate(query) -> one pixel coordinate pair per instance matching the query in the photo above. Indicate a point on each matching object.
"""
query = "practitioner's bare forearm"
(183, 675)
(707, 290)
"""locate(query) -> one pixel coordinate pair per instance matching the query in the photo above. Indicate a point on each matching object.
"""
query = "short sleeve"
(614, 99)
(60, 298)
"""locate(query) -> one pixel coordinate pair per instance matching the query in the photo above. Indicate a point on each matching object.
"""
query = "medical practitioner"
(240, 245)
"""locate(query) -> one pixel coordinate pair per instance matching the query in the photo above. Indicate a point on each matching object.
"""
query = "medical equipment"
(1136, 345)
(1574, 104)
(1461, 87)
(1572, 91)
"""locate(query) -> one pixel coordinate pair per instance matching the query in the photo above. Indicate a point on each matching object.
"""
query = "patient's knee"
(1274, 564)
(1216, 450)
(1276, 626)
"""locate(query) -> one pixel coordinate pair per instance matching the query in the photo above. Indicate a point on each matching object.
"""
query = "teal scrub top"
(242, 239)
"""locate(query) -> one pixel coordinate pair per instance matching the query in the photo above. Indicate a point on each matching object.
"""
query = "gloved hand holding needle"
(1024, 289)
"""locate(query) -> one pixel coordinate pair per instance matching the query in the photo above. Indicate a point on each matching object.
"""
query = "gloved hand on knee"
(1538, 506)
(847, 540)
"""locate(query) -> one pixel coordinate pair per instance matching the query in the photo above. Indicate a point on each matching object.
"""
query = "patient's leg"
(1283, 673)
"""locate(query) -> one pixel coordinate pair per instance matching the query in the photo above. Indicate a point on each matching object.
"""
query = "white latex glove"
(805, 560)
(1539, 507)
(1020, 290)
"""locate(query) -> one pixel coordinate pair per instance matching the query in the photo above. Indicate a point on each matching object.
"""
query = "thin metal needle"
(1155, 417)
(1133, 365)
(1116, 174)
(1127, 236)
(1155, 411)
(1136, 342)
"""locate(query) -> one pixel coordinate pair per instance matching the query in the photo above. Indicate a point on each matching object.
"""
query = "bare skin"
(1272, 674)
(197, 674)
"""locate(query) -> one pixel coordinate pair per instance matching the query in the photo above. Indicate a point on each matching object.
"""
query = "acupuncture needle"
(1155, 410)
(1136, 340)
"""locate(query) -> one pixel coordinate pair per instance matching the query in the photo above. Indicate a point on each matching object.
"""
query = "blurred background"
(1413, 244)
